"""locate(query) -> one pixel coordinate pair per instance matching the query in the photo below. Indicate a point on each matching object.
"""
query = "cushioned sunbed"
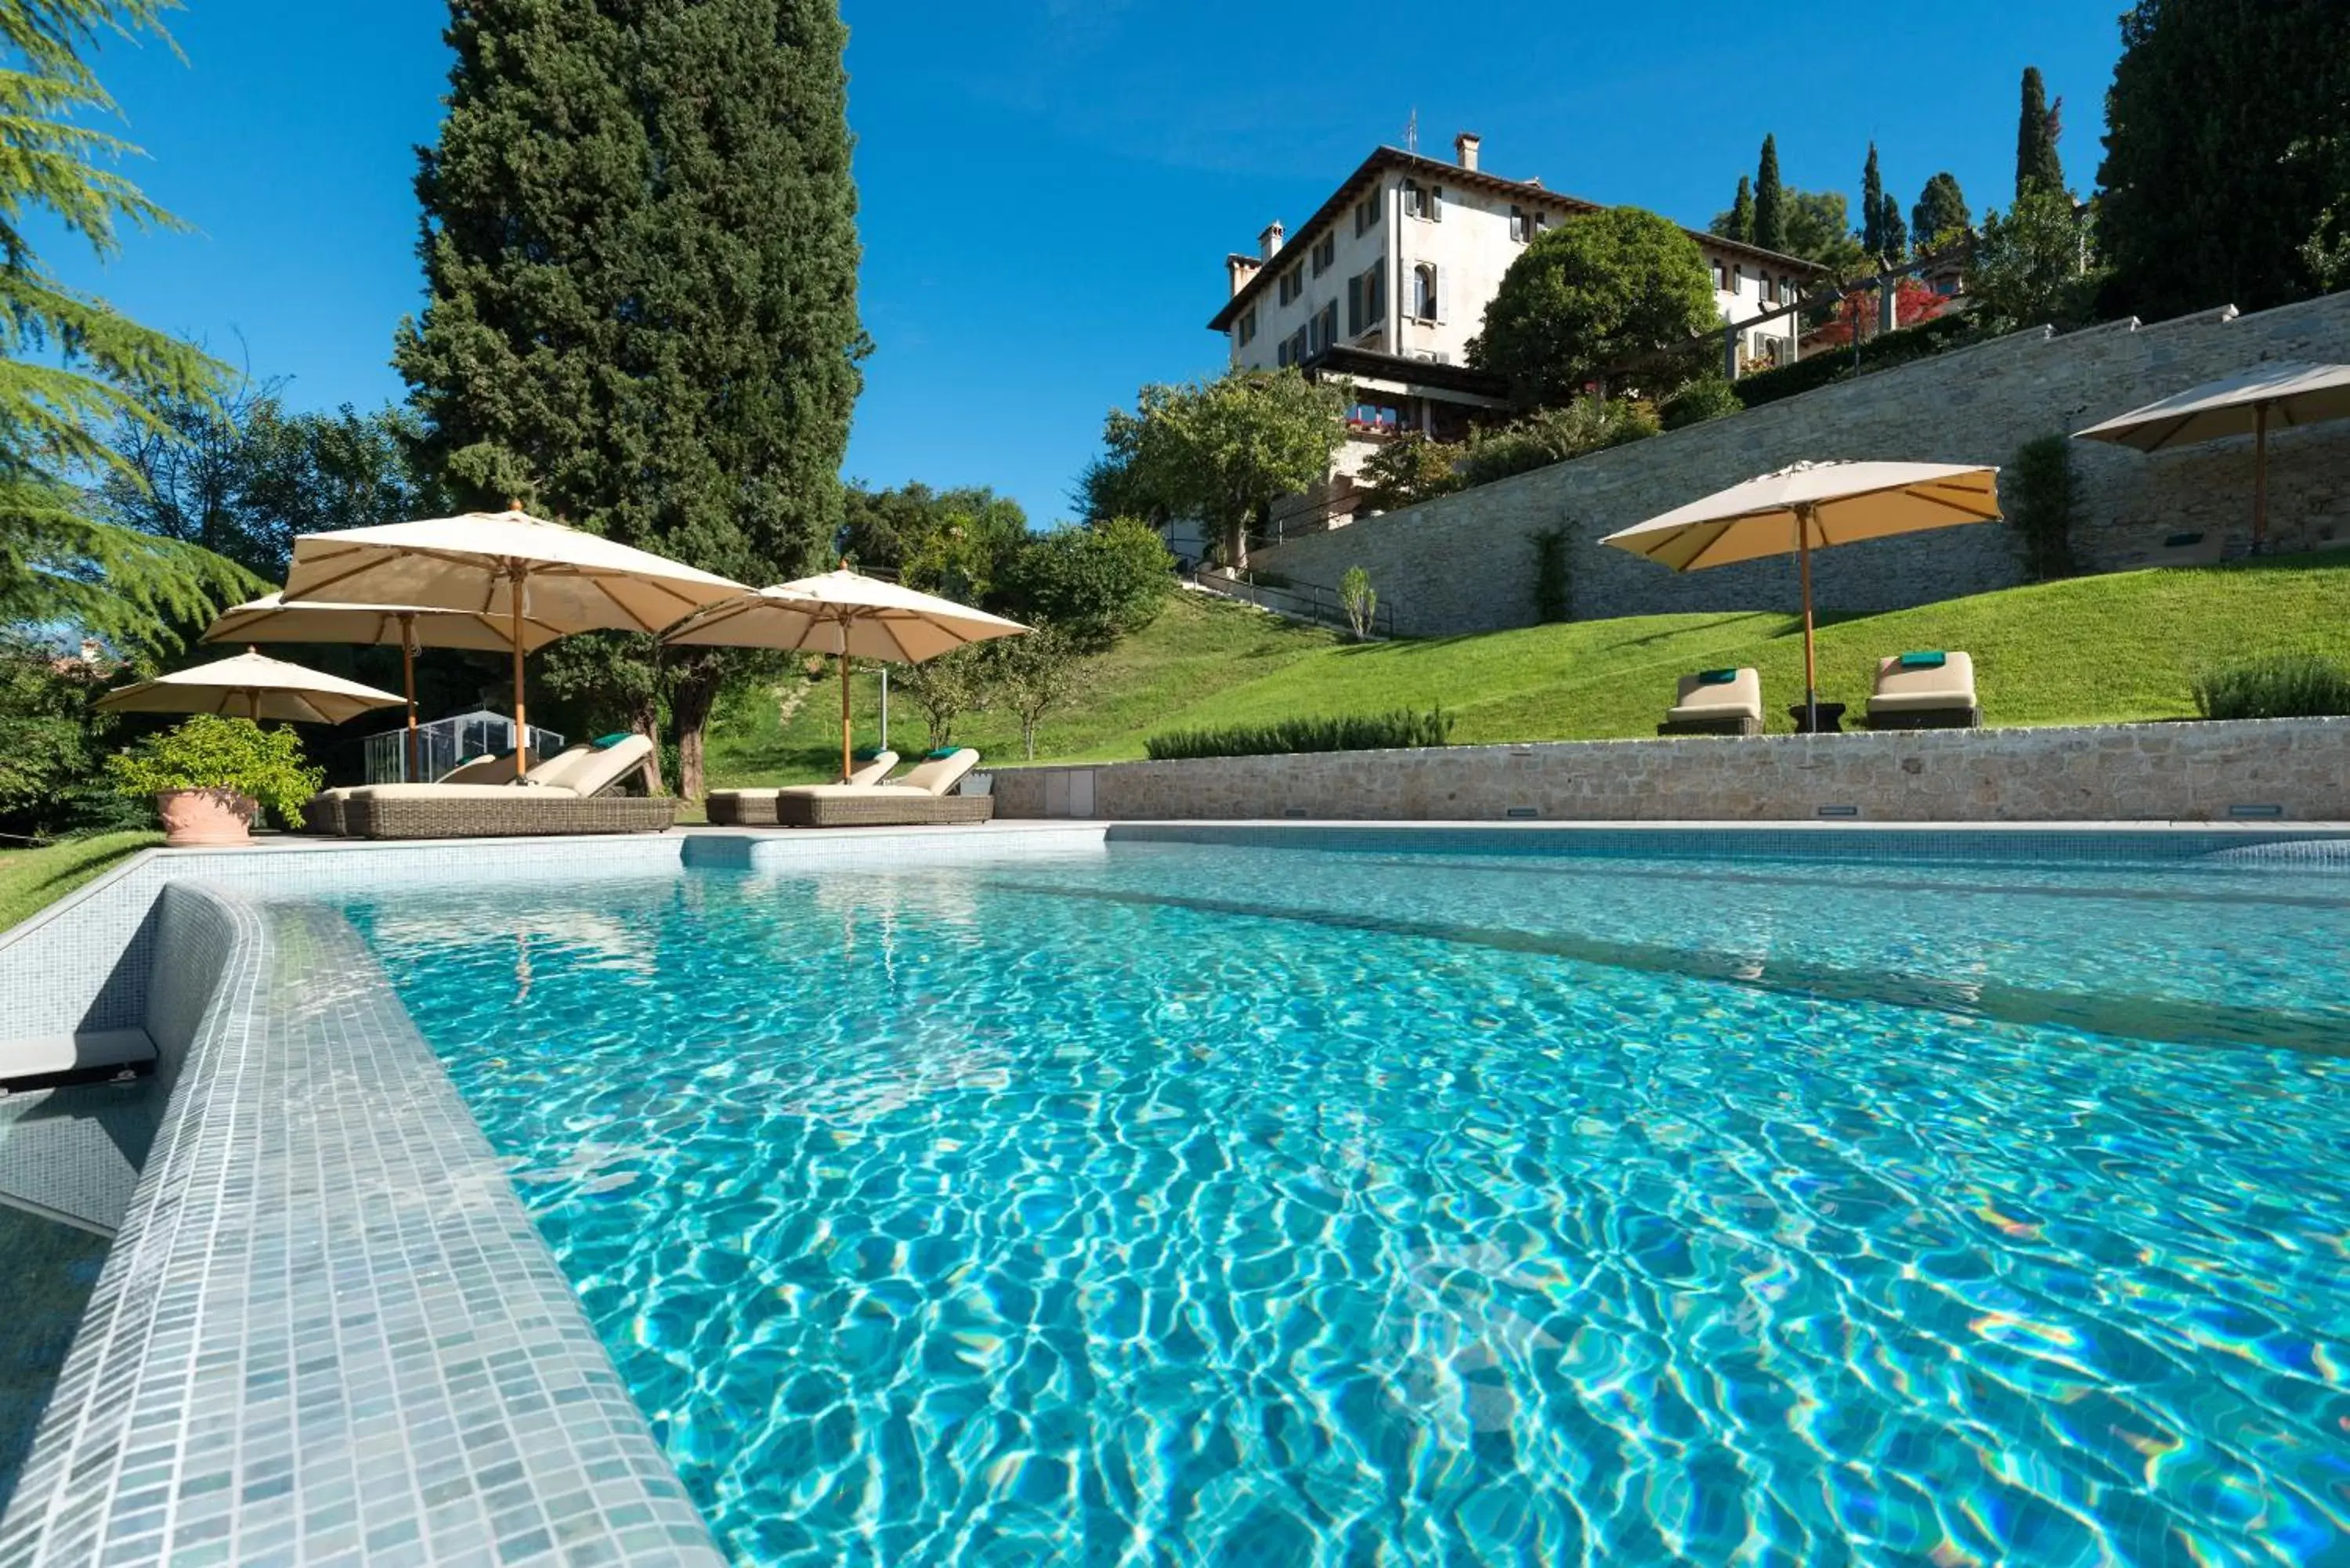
(549, 800)
(921, 798)
(756, 807)
(1716, 703)
(1932, 690)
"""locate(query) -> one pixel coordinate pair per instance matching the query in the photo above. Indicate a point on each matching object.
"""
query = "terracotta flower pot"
(208, 817)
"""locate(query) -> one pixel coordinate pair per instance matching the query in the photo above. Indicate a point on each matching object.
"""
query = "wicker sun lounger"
(756, 807)
(1716, 703)
(1925, 691)
(921, 799)
(569, 798)
(323, 812)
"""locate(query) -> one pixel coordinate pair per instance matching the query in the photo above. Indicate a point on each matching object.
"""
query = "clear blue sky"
(1049, 187)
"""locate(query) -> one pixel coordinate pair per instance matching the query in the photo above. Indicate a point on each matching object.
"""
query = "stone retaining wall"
(1465, 562)
(2297, 769)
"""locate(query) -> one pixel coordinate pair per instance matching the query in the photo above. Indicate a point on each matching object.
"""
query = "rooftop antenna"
(1411, 133)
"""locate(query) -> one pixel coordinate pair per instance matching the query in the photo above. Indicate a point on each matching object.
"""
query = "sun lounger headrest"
(941, 771)
(1716, 677)
(603, 768)
(867, 753)
(1931, 659)
(606, 743)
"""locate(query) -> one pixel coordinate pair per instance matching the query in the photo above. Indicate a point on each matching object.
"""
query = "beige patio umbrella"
(1813, 506)
(507, 563)
(2287, 392)
(848, 615)
(409, 626)
(250, 686)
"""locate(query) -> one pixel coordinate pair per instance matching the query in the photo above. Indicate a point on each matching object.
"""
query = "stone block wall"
(1465, 563)
(2295, 769)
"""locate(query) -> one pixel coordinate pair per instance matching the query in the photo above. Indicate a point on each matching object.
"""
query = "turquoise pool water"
(1209, 1205)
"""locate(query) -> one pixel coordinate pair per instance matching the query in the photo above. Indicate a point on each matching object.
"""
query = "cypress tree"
(1769, 200)
(640, 247)
(2216, 178)
(1742, 211)
(2037, 128)
(1872, 208)
(1889, 224)
(1941, 209)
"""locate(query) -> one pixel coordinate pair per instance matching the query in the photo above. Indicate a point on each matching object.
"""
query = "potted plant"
(208, 776)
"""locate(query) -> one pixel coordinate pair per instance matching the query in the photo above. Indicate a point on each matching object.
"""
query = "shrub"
(1097, 583)
(52, 746)
(1361, 600)
(1910, 343)
(208, 752)
(1588, 424)
(1707, 398)
(1554, 590)
(2282, 686)
(1408, 469)
(2044, 504)
(1372, 732)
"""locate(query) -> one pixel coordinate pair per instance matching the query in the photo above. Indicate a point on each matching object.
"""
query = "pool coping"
(171, 1433)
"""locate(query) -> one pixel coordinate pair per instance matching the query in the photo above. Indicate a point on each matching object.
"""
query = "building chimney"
(1268, 244)
(1465, 148)
(1241, 268)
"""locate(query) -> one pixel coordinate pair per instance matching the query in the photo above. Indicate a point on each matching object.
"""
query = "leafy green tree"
(946, 688)
(1030, 676)
(240, 475)
(1940, 215)
(641, 248)
(1738, 223)
(2033, 264)
(1409, 468)
(1226, 450)
(1598, 290)
(2038, 124)
(1818, 232)
(1095, 583)
(1769, 201)
(2226, 178)
(53, 744)
(70, 364)
(973, 538)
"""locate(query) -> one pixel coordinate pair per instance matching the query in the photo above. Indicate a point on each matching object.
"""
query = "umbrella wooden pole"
(845, 742)
(2259, 474)
(408, 687)
(1804, 569)
(522, 719)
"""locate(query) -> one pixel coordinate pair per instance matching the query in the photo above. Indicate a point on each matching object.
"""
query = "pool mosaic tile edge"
(328, 1330)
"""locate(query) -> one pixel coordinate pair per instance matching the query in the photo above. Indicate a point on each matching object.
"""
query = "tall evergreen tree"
(641, 245)
(71, 365)
(2227, 154)
(2037, 126)
(1872, 207)
(1769, 200)
(1941, 211)
(1738, 223)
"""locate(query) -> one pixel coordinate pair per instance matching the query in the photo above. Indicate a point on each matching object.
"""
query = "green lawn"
(31, 879)
(2120, 647)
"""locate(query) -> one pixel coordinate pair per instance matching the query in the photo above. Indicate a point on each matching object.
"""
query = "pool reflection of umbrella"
(250, 686)
(507, 563)
(2287, 392)
(1812, 506)
(407, 627)
(848, 615)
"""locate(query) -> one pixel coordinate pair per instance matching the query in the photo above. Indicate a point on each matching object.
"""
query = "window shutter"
(1436, 203)
(1353, 305)
(1439, 272)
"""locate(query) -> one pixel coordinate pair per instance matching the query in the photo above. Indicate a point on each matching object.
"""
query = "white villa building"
(1388, 280)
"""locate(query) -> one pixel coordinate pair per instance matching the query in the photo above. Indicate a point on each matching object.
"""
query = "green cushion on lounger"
(1931, 660)
(867, 753)
(1716, 677)
(606, 743)
(942, 755)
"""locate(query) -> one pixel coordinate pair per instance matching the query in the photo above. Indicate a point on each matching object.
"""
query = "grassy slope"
(2124, 646)
(31, 879)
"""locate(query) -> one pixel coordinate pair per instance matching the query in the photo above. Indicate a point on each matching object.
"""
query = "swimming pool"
(1218, 1204)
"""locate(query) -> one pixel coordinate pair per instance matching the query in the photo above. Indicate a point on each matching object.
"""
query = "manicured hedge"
(1372, 732)
(1910, 344)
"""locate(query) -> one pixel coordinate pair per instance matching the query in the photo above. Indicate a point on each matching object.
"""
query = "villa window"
(1325, 329)
(1520, 227)
(1248, 327)
(1423, 200)
(1366, 300)
(1766, 290)
(1721, 278)
(1326, 253)
(1367, 214)
(1426, 293)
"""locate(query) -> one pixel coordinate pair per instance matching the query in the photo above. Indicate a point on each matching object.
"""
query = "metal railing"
(1302, 601)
